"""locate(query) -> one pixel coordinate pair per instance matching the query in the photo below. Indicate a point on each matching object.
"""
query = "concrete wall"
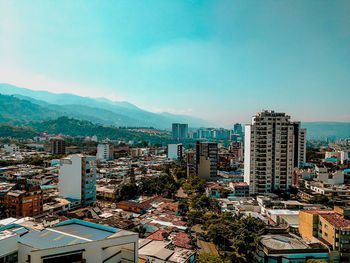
(70, 178)
(306, 222)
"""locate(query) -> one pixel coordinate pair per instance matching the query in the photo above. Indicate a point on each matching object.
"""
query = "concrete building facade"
(175, 151)
(58, 146)
(270, 149)
(179, 131)
(77, 178)
(103, 151)
(207, 160)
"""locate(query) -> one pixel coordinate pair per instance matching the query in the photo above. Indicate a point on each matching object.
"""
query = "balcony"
(90, 195)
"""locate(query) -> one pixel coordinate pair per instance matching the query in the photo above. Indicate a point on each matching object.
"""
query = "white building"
(175, 151)
(77, 178)
(273, 147)
(70, 241)
(11, 149)
(322, 175)
(103, 151)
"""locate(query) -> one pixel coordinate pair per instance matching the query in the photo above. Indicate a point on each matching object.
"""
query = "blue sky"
(219, 60)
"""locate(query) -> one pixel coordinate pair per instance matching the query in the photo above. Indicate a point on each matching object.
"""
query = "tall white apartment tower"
(273, 147)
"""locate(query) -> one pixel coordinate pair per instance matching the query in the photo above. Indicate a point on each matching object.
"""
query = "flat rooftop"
(286, 242)
(67, 233)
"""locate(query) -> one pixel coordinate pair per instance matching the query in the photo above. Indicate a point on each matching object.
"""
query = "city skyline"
(219, 61)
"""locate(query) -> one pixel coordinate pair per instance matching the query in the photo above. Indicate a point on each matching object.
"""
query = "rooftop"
(67, 233)
(337, 220)
(287, 242)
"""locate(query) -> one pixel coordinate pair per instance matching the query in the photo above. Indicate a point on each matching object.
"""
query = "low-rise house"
(240, 189)
(133, 207)
(289, 248)
(332, 228)
(162, 251)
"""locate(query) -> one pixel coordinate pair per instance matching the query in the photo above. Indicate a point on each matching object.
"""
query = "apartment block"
(58, 146)
(270, 149)
(103, 152)
(207, 160)
(191, 163)
(175, 151)
(179, 131)
(77, 178)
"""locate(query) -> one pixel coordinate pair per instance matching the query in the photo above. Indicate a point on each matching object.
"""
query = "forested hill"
(73, 127)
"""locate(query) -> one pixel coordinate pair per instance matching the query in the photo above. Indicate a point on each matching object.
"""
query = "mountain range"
(47, 105)
(20, 106)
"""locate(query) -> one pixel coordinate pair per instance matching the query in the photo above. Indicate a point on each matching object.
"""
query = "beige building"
(207, 160)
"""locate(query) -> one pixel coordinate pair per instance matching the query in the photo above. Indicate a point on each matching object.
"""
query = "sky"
(222, 61)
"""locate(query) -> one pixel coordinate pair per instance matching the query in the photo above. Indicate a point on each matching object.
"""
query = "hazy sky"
(218, 60)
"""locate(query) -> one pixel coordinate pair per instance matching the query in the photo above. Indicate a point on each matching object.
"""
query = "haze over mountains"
(97, 110)
(22, 106)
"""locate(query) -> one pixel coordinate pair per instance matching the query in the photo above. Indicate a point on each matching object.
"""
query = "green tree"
(183, 207)
(141, 230)
(209, 258)
(194, 217)
(126, 191)
(234, 257)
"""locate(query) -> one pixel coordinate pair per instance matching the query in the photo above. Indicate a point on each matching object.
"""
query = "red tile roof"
(182, 240)
(134, 204)
(271, 222)
(337, 220)
(158, 235)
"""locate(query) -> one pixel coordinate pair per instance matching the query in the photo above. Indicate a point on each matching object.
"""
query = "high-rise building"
(58, 146)
(77, 178)
(238, 129)
(103, 151)
(236, 148)
(179, 131)
(207, 160)
(234, 137)
(191, 163)
(300, 146)
(269, 154)
(175, 151)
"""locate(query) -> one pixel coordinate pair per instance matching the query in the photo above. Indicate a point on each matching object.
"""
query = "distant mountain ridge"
(100, 110)
(327, 129)
(24, 107)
